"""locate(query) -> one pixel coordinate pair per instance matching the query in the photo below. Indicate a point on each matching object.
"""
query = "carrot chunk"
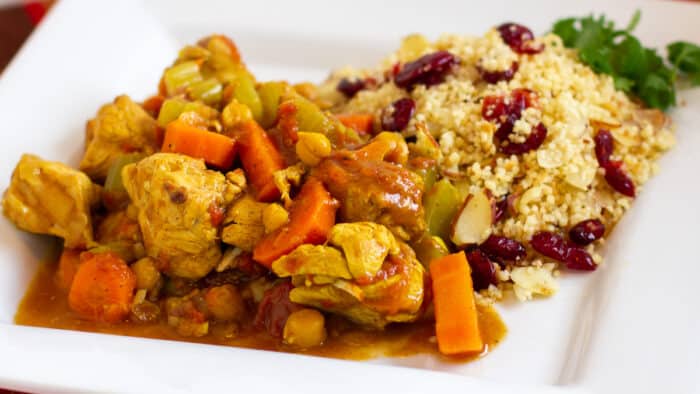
(260, 158)
(102, 288)
(216, 149)
(362, 123)
(456, 322)
(311, 217)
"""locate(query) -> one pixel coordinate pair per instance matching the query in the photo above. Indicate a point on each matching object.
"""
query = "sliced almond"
(472, 225)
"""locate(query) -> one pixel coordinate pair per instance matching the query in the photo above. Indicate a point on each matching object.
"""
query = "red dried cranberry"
(497, 76)
(519, 38)
(483, 271)
(274, 309)
(618, 179)
(579, 259)
(350, 87)
(586, 232)
(550, 245)
(493, 108)
(603, 147)
(506, 112)
(554, 247)
(427, 70)
(396, 116)
(533, 141)
(503, 248)
(501, 208)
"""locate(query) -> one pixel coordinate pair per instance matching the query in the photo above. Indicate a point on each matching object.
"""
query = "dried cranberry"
(519, 38)
(554, 246)
(274, 309)
(506, 111)
(501, 208)
(350, 87)
(579, 259)
(497, 76)
(618, 179)
(396, 116)
(603, 147)
(586, 232)
(550, 245)
(483, 271)
(493, 108)
(427, 70)
(533, 141)
(503, 248)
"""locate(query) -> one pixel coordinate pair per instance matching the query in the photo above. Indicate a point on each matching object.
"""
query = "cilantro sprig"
(636, 70)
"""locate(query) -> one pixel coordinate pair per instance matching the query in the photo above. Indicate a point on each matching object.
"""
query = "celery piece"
(170, 110)
(429, 248)
(244, 91)
(270, 95)
(113, 182)
(180, 76)
(441, 204)
(208, 90)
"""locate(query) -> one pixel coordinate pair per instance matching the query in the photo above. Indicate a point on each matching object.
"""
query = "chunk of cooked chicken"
(244, 223)
(365, 245)
(46, 197)
(375, 191)
(120, 127)
(121, 234)
(395, 294)
(179, 203)
(323, 279)
(310, 259)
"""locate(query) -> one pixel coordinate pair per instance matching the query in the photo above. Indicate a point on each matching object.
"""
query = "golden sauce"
(45, 305)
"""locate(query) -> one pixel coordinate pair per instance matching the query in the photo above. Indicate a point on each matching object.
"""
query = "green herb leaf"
(636, 70)
(634, 21)
(657, 92)
(685, 56)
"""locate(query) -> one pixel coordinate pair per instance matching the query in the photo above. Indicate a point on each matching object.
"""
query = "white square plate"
(629, 326)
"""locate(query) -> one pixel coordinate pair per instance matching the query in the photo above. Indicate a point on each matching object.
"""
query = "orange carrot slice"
(216, 149)
(456, 322)
(311, 217)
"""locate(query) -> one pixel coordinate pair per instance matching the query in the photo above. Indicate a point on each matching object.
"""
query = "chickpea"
(312, 147)
(225, 303)
(396, 149)
(274, 216)
(235, 113)
(147, 275)
(305, 328)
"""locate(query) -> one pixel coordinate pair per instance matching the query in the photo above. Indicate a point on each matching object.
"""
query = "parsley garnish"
(636, 70)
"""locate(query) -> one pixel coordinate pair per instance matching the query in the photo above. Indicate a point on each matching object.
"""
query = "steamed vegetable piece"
(311, 217)
(102, 288)
(441, 204)
(309, 117)
(260, 158)
(216, 149)
(242, 89)
(180, 76)
(114, 195)
(270, 94)
(456, 322)
(362, 123)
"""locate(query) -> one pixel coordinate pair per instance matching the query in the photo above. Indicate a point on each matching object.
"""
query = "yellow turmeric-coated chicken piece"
(120, 127)
(46, 197)
(180, 207)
